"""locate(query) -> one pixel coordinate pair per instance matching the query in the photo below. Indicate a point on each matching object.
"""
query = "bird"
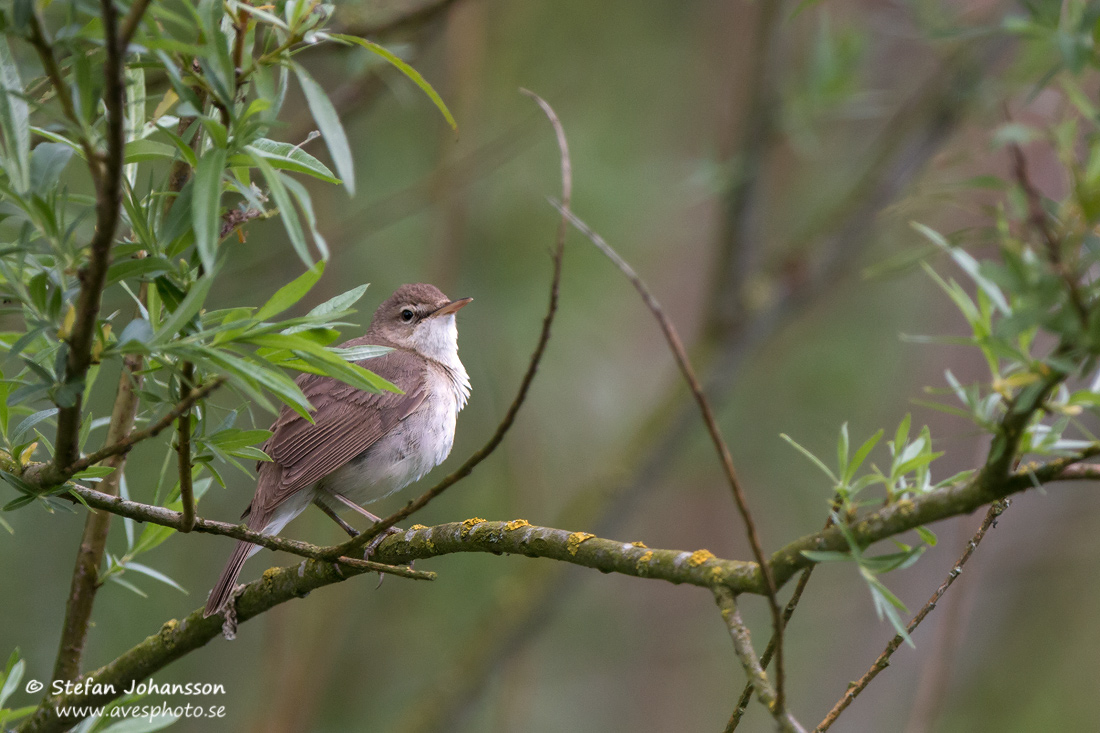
(361, 446)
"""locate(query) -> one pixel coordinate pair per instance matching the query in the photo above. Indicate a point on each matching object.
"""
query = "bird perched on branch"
(361, 446)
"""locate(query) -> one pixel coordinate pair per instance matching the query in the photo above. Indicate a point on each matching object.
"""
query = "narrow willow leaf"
(344, 301)
(186, 310)
(291, 293)
(206, 204)
(405, 69)
(290, 157)
(816, 461)
(154, 574)
(287, 212)
(328, 122)
(14, 119)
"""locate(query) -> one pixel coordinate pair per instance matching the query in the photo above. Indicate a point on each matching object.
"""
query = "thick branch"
(698, 568)
(108, 185)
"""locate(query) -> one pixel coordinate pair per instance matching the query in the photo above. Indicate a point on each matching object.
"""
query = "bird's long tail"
(224, 587)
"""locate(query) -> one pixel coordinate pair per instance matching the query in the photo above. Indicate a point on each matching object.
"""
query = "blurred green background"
(760, 172)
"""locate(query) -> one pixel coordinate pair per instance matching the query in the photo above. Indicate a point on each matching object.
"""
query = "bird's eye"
(407, 315)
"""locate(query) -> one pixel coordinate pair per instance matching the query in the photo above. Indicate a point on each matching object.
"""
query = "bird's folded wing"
(347, 421)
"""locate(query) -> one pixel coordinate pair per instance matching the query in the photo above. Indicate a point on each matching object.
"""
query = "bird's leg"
(373, 544)
(336, 517)
(352, 505)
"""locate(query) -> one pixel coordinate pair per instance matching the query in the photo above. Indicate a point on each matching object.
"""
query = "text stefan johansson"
(91, 687)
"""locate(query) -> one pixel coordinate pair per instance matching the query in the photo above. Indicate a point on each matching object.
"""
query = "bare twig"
(44, 48)
(758, 678)
(883, 661)
(112, 504)
(183, 448)
(1038, 218)
(356, 543)
(684, 363)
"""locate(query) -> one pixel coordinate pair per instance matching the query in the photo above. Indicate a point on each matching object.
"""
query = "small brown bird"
(361, 446)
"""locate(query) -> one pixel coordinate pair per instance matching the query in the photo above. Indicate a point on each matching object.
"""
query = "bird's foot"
(373, 545)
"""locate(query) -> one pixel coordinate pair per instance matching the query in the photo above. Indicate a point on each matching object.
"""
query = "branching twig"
(357, 543)
(883, 661)
(42, 475)
(758, 678)
(712, 428)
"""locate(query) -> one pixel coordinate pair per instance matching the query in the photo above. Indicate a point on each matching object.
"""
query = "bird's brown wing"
(347, 421)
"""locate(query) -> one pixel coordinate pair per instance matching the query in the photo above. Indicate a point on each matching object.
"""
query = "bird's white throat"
(437, 339)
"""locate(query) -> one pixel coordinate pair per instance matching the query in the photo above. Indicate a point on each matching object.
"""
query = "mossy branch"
(699, 568)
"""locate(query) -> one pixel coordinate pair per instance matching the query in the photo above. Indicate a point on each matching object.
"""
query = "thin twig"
(766, 657)
(742, 644)
(39, 39)
(111, 504)
(183, 449)
(788, 611)
(1038, 218)
(42, 475)
(883, 661)
(356, 543)
(684, 363)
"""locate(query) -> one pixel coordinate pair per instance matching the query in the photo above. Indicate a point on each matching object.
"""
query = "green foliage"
(204, 84)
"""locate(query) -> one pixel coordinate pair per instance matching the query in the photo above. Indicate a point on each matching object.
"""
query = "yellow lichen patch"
(906, 507)
(574, 542)
(169, 626)
(418, 526)
(270, 573)
(469, 524)
(516, 524)
(699, 557)
(643, 562)
(639, 544)
(716, 575)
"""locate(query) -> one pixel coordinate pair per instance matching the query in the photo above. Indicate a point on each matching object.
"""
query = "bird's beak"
(450, 308)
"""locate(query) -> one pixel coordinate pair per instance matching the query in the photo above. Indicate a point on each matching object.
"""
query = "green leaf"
(360, 353)
(30, 421)
(12, 678)
(339, 304)
(816, 461)
(206, 204)
(291, 293)
(842, 451)
(129, 586)
(287, 212)
(861, 455)
(14, 119)
(827, 556)
(289, 157)
(186, 310)
(405, 69)
(234, 438)
(927, 536)
(155, 575)
(48, 161)
(328, 122)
